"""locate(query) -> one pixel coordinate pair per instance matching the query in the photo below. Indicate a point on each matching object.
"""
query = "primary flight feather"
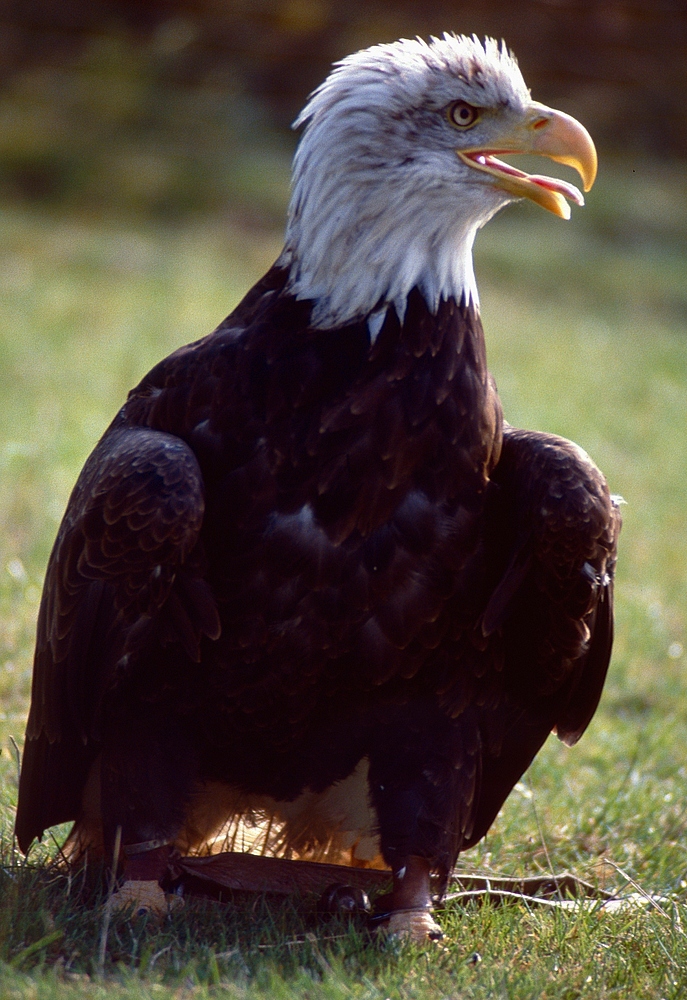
(308, 572)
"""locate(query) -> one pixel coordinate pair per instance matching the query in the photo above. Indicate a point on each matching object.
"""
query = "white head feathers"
(381, 202)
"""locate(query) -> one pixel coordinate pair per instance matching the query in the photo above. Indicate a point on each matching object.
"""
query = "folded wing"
(126, 566)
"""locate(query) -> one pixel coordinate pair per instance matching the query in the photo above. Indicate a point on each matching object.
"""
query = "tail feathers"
(51, 784)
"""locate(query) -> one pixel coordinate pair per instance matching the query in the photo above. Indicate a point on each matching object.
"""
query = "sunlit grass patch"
(257, 947)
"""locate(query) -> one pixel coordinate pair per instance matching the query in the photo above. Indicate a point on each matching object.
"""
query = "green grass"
(586, 335)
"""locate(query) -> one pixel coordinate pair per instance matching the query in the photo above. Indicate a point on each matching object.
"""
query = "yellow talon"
(144, 898)
(416, 926)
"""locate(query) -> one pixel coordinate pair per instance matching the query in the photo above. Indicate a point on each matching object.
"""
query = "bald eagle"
(308, 573)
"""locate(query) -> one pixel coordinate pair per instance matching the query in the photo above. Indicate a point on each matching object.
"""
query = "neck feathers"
(357, 262)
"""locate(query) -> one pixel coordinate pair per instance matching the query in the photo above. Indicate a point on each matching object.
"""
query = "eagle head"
(398, 168)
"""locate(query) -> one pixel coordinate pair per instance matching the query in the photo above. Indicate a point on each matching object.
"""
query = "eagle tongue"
(560, 187)
(550, 183)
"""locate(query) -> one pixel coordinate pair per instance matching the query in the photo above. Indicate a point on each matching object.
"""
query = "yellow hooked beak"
(544, 132)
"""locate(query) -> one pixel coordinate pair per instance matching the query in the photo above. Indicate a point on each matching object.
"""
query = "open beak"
(544, 132)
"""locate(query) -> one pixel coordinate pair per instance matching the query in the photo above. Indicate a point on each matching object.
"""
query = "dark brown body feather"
(293, 550)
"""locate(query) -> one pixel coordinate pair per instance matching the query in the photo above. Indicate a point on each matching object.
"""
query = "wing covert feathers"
(554, 602)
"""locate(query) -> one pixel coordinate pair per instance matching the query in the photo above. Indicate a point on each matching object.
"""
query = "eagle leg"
(410, 904)
(144, 869)
(421, 781)
(146, 865)
(411, 910)
(148, 768)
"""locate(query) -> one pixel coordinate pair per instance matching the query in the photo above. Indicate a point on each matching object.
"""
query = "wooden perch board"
(254, 873)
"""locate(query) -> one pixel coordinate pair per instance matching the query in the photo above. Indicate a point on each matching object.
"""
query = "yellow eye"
(462, 115)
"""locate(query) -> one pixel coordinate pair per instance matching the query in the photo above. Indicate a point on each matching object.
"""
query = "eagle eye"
(462, 115)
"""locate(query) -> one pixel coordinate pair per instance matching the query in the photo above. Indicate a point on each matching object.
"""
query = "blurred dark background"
(166, 107)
